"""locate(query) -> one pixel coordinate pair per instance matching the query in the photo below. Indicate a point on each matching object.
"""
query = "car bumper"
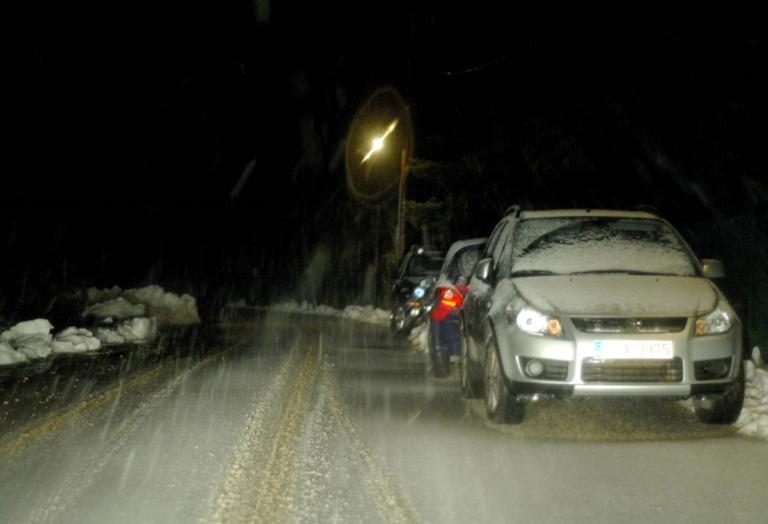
(573, 370)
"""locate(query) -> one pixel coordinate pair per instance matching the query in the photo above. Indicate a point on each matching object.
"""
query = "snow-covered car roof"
(562, 213)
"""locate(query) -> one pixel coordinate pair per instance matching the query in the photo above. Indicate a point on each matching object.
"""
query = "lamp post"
(400, 242)
(377, 146)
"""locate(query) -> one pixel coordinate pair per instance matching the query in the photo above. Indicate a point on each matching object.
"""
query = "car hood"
(618, 295)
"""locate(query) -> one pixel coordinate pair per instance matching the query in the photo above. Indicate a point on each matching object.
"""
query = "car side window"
(493, 240)
(504, 265)
(499, 248)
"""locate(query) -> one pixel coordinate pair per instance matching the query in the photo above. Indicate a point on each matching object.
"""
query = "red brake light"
(450, 297)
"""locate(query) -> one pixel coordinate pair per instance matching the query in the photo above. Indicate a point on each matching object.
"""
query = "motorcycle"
(412, 308)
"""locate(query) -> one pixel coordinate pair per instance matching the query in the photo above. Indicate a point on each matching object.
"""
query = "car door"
(474, 303)
(485, 294)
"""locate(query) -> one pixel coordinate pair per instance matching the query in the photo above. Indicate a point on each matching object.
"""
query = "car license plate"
(632, 349)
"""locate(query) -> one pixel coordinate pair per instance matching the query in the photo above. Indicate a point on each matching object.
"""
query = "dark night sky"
(133, 124)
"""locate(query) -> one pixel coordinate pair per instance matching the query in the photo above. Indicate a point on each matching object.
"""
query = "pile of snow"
(118, 308)
(291, 306)
(151, 301)
(32, 339)
(418, 339)
(75, 340)
(132, 331)
(8, 355)
(367, 314)
(753, 420)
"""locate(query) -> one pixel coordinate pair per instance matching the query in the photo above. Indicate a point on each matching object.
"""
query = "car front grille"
(630, 325)
(620, 370)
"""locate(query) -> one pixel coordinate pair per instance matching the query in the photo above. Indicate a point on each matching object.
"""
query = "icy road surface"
(323, 420)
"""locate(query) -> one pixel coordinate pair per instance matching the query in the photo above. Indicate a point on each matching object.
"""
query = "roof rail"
(513, 210)
(647, 208)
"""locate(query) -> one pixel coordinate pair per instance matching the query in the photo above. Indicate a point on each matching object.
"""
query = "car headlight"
(718, 321)
(535, 323)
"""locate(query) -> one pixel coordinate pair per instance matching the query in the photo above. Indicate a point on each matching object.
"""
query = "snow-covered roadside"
(122, 317)
(133, 315)
(754, 415)
(32, 339)
(417, 340)
(151, 301)
(367, 314)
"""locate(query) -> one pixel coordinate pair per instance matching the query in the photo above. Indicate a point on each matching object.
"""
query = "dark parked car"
(592, 303)
(412, 288)
(450, 288)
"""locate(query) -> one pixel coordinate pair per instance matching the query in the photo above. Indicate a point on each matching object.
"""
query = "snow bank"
(118, 308)
(32, 339)
(151, 301)
(367, 314)
(753, 420)
(167, 308)
(8, 355)
(418, 338)
(135, 330)
(75, 340)
(291, 306)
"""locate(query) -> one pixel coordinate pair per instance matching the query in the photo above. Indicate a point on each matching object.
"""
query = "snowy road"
(320, 420)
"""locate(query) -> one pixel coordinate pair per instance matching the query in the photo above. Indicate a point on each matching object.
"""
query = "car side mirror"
(713, 268)
(483, 270)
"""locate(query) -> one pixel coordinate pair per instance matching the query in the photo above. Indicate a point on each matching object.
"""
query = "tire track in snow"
(272, 497)
(394, 506)
(80, 479)
(235, 500)
(340, 478)
(264, 481)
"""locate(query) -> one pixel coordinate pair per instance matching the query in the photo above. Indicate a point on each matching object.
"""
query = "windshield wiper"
(532, 273)
(622, 272)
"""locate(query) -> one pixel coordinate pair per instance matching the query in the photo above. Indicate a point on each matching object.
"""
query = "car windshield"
(424, 265)
(599, 245)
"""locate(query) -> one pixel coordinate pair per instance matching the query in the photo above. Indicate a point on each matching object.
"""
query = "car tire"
(500, 406)
(470, 384)
(725, 408)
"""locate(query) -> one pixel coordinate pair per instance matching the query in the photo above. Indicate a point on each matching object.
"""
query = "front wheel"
(500, 405)
(725, 408)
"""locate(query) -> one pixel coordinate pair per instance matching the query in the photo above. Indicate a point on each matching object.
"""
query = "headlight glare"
(718, 321)
(531, 321)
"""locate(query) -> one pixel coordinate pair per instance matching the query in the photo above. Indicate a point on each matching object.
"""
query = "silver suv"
(594, 303)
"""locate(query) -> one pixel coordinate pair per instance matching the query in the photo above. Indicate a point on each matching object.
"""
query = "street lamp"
(376, 164)
(377, 145)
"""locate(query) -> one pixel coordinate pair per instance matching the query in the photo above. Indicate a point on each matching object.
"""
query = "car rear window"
(424, 265)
